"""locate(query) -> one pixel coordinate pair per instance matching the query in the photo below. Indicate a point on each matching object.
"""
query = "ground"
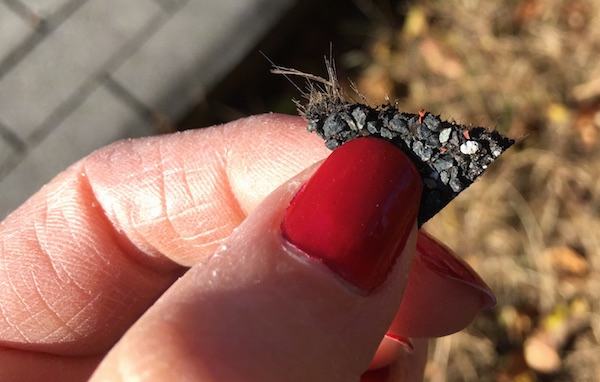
(529, 226)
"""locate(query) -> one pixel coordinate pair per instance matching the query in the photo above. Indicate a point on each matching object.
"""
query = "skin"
(161, 259)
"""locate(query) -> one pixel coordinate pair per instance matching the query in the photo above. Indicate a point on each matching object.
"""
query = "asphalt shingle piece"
(448, 162)
(74, 52)
(100, 120)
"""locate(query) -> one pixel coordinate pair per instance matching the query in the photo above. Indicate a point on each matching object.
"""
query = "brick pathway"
(76, 75)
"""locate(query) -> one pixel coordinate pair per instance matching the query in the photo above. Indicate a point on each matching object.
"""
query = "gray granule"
(445, 135)
(469, 147)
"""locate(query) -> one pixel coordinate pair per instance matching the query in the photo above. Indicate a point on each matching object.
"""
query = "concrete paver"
(6, 151)
(90, 72)
(77, 49)
(172, 85)
(100, 120)
(13, 30)
(169, 4)
(45, 8)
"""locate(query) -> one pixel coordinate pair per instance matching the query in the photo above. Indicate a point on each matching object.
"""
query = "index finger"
(84, 257)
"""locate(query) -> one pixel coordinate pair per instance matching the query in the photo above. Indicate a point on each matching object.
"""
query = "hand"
(181, 257)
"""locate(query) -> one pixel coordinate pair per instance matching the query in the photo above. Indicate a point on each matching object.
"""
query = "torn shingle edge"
(449, 156)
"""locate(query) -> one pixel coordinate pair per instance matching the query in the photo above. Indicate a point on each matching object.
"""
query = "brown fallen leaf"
(439, 61)
(541, 354)
(565, 262)
(586, 125)
(542, 349)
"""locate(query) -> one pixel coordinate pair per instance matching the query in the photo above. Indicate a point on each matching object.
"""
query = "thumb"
(303, 290)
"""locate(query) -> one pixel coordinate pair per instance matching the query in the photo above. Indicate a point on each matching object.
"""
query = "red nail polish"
(406, 342)
(357, 210)
(445, 262)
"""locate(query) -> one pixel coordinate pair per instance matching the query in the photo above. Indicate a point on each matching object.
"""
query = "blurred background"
(76, 75)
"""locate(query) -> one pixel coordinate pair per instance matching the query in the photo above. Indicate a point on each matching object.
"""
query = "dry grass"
(530, 68)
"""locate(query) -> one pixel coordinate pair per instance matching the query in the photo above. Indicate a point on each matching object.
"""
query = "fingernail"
(391, 348)
(406, 342)
(356, 211)
(445, 262)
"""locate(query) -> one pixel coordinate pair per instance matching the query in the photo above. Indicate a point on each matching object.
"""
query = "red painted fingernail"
(357, 210)
(406, 342)
(445, 262)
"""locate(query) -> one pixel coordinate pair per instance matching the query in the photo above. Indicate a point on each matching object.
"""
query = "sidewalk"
(76, 75)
